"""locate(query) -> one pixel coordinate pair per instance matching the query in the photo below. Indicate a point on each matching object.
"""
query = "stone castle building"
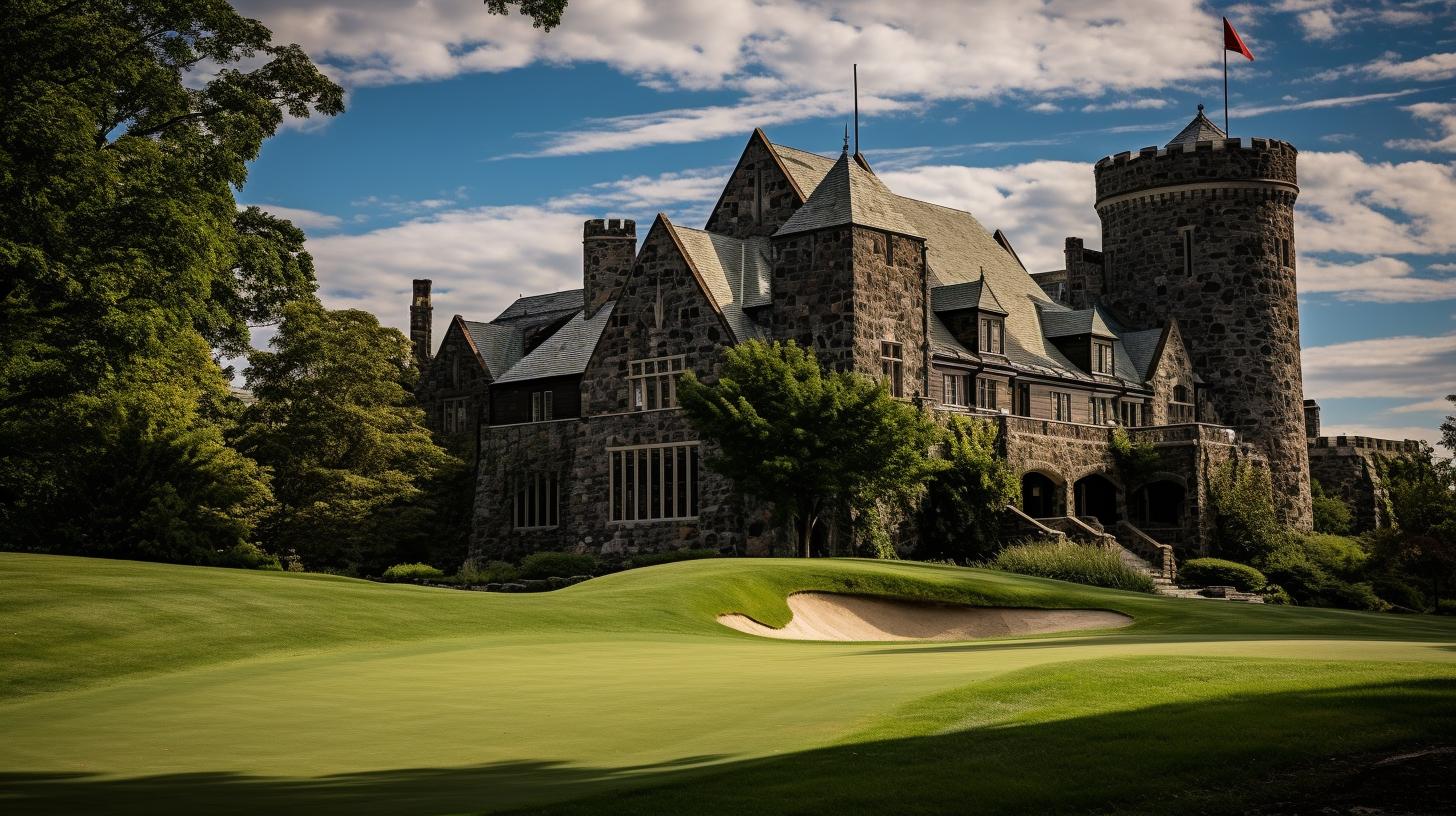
(1181, 331)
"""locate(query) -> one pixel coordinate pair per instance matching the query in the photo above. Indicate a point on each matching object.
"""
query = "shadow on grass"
(1203, 755)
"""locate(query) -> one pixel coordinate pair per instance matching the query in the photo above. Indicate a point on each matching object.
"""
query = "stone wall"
(607, 250)
(1173, 370)
(1237, 309)
(454, 372)
(1084, 274)
(758, 197)
(813, 302)
(1348, 467)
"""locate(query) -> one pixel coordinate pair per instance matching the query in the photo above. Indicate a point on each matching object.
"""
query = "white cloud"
(1347, 204)
(1323, 20)
(698, 124)
(1415, 367)
(1443, 115)
(1429, 68)
(1318, 24)
(1377, 280)
(303, 219)
(1151, 103)
(770, 51)
(1441, 404)
(1328, 102)
(1037, 204)
(1045, 107)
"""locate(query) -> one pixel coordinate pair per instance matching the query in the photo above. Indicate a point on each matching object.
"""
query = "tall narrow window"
(991, 335)
(1100, 409)
(1023, 399)
(1186, 237)
(654, 482)
(955, 389)
(654, 382)
(541, 408)
(1102, 359)
(987, 394)
(457, 415)
(758, 196)
(537, 501)
(1061, 406)
(892, 367)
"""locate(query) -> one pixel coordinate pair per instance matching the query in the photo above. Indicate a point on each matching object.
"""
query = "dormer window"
(992, 331)
(1102, 360)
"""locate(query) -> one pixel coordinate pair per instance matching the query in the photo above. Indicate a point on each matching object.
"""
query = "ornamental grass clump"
(1068, 561)
(412, 572)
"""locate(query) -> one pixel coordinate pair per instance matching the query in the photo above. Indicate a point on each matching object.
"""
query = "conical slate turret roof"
(1201, 129)
(849, 194)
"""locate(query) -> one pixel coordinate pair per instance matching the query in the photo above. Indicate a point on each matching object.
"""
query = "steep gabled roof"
(805, 169)
(1201, 129)
(976, 294)
(735, 271)
(849, 194)
(497, 347)
(1142, 350)
(542, 308)
(564, 353)
(1071, 322)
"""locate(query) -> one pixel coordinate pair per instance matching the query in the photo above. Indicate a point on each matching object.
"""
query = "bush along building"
(1182, 332)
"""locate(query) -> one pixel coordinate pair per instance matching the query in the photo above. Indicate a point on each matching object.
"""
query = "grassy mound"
(147, 688)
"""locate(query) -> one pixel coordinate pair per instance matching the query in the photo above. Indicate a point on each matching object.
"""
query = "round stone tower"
(1203, 231)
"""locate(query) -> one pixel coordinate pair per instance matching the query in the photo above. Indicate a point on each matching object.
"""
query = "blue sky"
(473, 145)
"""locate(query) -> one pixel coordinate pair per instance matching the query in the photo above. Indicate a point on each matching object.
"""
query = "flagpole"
(1225, 91)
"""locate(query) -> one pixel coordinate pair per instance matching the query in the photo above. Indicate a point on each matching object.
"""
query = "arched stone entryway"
(1097, 496)
(1159, 503)
(1041, 496)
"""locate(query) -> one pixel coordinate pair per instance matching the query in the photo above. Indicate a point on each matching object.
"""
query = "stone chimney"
(421, 322)
(607, 249)
(1311, 419)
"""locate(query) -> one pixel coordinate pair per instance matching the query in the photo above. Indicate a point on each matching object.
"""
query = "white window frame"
(993, 335)
(653, 382)
(956, 391)
(536, 501)
(542, 407)
(892, 366)
(1099, 410)
(632, 471)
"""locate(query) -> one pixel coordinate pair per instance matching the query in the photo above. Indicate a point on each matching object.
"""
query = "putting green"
(153, 688)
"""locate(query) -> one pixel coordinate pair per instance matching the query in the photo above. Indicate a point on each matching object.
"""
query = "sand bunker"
(827, 616)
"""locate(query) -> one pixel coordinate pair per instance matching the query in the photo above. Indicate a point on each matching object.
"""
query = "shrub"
(247, 556)
(411, 572)
(492, 572)
(1447, 607)
(541, 565)
(1398, 593)
(1218, 572)
(1319, 570)
(1067, 561)
(669, 557)
(1245, 525)
(960, 518)
(1331, 514)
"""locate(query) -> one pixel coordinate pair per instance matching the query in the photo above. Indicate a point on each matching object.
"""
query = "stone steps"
(1163, 586)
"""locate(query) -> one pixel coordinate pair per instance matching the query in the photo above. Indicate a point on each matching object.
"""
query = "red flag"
(1233, 42)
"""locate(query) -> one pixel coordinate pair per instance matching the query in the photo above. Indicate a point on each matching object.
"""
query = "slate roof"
(735, 270)
(1059, 323)
(805, 168)
(849, 194)
(564, 353)
(1140, 347)
(499, 347)
(1201, 129)
(542, 308)
(976, 294)
(944, 343)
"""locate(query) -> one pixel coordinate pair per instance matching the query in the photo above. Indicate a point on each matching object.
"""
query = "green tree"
(1331, 513)
(1241, 496)
(337, 424)
(1423, 500)
(1448, 428)
(807, 441)
(544, 14)
(965, 502)
(125, 128)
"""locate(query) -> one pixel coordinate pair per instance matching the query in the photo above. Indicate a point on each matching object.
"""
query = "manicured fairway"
(144, 688)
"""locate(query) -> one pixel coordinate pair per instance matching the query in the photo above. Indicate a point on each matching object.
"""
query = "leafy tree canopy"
(335, 421)
(544, 14)
(965, 502)
(805, 440)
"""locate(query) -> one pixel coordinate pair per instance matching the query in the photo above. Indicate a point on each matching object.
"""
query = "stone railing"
(1367, 443)
(1185, 432)
(1016, 524)
(1158, 554)
(1047, 427)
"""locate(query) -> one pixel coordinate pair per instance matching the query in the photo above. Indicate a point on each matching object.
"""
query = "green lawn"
(143, 688)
